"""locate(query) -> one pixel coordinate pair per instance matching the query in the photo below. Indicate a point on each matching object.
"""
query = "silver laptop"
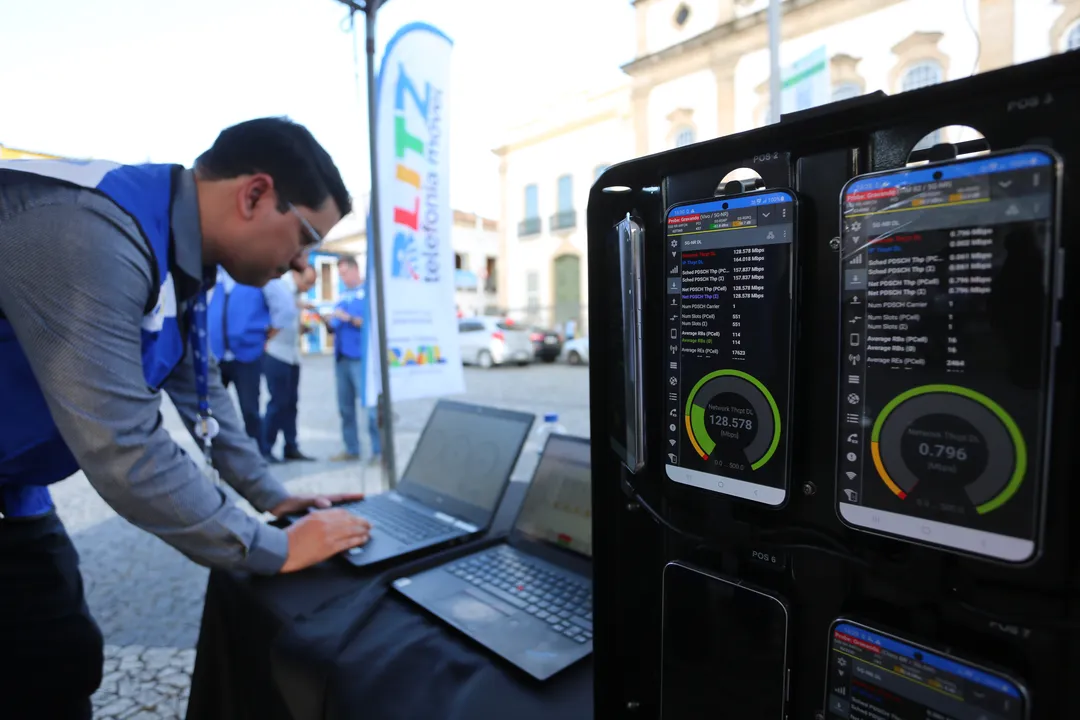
(529, 599)
(452, 486)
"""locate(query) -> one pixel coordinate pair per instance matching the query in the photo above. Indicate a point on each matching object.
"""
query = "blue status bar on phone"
(732, 204)
(929, 658)
(986, 166)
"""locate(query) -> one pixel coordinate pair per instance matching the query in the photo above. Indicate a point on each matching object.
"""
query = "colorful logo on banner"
(405, 258)
(419, 355)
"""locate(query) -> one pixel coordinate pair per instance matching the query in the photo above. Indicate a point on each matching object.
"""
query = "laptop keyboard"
(400, 522)
(563, 603)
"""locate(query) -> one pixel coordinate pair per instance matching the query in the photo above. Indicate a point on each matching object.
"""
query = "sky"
(137, 81)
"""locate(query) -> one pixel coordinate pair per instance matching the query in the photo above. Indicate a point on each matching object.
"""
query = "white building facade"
(701, 71)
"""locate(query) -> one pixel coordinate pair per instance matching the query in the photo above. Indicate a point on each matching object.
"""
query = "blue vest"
(32, 452)
(238, 318)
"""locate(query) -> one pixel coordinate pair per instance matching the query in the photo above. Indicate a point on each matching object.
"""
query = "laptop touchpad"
(472, 608)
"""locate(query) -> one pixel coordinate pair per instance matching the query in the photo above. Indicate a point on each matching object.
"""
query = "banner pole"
(375, 247)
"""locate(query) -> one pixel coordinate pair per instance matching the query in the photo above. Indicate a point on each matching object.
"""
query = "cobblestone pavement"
(148, 598)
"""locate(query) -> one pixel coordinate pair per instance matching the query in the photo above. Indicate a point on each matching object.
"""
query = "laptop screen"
(467, 453)
(558, 506)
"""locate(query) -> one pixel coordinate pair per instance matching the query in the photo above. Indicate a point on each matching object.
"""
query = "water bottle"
(549, 426)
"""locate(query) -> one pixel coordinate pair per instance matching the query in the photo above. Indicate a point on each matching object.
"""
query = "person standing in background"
(239, 324)
(347, 322)
(281, 365)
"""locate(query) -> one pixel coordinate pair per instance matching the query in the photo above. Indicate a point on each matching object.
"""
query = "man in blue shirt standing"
(239, 320)
(347, 322)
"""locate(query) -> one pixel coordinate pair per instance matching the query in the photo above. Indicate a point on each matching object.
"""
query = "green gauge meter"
(734, 408)
(949, 430)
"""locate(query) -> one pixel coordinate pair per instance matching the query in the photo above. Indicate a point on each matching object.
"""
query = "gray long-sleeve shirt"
(75, 281)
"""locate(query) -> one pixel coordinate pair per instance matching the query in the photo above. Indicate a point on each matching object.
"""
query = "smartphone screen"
(728, 315)
(724, 648)
(625, 394)
(875, 675)
(948, 299)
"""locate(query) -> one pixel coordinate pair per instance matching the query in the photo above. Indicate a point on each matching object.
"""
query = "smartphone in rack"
(874, 674)
(627, 395)
(724, 647)
(950, 277)
(729, 312)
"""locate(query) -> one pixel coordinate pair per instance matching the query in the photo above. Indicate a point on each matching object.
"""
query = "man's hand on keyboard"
(296, 503)
(321, 535)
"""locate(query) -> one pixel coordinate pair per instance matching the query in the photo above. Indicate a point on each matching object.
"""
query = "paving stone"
(178, 680)
(154, 663)
(128, 687)
(148, 698)
(102, 698)
(115, 708)
(112, 678)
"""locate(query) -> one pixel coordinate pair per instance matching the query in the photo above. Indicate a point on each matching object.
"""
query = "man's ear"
(255, 189)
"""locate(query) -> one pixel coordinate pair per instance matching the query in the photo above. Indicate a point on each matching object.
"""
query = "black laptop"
(529, 599)
(452, 486)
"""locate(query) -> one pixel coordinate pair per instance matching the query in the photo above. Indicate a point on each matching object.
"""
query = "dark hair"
(303, 172)
(349, 260)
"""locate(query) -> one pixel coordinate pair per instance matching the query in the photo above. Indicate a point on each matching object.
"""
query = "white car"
(488, 341)
(576, 351)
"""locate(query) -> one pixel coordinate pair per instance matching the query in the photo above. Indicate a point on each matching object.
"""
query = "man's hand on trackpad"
(320, 535)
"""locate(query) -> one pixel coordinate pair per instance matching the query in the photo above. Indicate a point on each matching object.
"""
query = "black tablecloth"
(335, 642)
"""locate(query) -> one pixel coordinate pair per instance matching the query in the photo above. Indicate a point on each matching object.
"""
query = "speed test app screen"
(727, 344)
(947, 325)
(874, 676)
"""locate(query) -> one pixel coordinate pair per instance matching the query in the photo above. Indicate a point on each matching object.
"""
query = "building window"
(530, 225)
(564, 217)
(532, 201)
(459, 262)
(921, 74)
(845, 91)
(532, 288)
(566, 193)
(682, 14)
(1072, 38)
(684, 136)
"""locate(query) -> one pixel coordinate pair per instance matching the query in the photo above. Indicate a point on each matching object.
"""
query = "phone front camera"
(937, 175)
(725, 206)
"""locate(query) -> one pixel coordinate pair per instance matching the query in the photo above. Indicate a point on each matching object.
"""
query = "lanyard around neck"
(206, 426)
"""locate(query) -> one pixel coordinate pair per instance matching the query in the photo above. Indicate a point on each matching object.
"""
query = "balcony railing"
(564, 220)
(529, 226)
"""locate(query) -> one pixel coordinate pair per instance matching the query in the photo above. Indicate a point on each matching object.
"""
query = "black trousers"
(247, 376)
(51, 648)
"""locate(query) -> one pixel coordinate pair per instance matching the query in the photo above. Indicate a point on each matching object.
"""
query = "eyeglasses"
(314, 239)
